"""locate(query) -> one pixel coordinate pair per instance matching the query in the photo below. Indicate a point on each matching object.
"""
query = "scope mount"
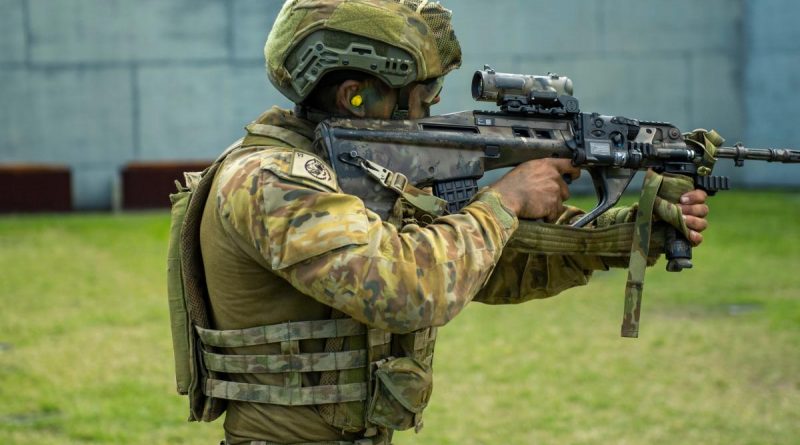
(539, 102)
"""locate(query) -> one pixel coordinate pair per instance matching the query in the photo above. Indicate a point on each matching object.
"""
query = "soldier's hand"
(694, 209)
(536, 189)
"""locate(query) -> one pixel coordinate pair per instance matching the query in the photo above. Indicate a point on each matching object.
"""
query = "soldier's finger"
(564, 190)
(575, 173)
(555, 212)
(571, 171)
(695, 238)
(695, 223)
(694, 197)
(699, 210)
(565, 167)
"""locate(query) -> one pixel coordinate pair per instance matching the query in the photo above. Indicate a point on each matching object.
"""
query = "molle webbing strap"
(306, 362)
(423, 337)
(378, 440)
(542, 238)
(422, 344)
(337, 442)
(350, 417)
(299, 330)
(285, 395)
(378, 337)
(291, 348)
(291, 362)
(640, 249)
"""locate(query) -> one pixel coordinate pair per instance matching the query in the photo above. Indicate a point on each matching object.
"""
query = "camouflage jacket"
(276, 230)
(331, 248)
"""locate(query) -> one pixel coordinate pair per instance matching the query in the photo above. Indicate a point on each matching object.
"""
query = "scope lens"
(477, 85)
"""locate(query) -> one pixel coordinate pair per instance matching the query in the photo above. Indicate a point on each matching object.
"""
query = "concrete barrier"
(147, 185)
(35, 188)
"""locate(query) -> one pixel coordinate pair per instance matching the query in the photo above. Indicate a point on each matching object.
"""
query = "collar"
(287, 119)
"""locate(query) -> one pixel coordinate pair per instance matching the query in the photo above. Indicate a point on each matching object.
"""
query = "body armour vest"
(276, 359)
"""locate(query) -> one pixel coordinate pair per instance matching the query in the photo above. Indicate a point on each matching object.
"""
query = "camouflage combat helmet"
(397, 41)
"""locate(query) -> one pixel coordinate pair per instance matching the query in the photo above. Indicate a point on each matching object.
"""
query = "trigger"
(567, 178)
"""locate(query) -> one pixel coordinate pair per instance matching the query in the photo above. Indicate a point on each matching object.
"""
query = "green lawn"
(85, 349)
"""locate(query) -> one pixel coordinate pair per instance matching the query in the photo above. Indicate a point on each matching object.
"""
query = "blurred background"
(104, 102)
(97, 88)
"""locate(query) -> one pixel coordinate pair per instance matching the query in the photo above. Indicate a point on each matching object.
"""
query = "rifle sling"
(397, 182)
(640, 248)
(555, 239)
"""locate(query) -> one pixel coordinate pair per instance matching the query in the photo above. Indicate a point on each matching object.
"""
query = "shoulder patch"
(308, 166)
(302, 167)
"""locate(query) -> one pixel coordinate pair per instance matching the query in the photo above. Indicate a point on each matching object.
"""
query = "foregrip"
(678, 251)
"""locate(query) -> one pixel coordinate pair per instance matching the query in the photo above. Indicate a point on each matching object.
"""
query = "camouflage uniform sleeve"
(330, 247)
(520, 276)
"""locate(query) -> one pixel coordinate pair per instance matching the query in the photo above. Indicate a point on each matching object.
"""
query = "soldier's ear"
(349, 99)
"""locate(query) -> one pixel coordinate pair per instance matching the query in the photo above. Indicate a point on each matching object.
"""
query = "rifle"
(538, 118)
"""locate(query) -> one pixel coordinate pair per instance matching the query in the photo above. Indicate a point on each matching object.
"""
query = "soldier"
(324, 316)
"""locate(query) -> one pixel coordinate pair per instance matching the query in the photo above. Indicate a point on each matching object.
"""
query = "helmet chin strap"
(429, 93)
(399, 114)
(400, 111)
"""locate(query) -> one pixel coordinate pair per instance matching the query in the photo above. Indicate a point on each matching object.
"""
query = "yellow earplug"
(356, 101)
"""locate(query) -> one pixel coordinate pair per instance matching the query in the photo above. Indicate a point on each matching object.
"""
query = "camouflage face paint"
(378, 100)
(415, 100)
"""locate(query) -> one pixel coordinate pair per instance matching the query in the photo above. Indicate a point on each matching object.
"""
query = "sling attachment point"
(398, 183)
(387, 178)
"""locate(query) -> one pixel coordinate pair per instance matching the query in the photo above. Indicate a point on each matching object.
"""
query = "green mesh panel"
(439, 21)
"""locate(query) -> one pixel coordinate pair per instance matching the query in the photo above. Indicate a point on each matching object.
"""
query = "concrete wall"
(771, 84)
(98, 83)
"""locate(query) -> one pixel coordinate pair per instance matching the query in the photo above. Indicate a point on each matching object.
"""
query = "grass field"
(85, 350)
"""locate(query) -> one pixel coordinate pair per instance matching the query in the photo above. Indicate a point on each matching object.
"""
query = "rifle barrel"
(739, 153)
